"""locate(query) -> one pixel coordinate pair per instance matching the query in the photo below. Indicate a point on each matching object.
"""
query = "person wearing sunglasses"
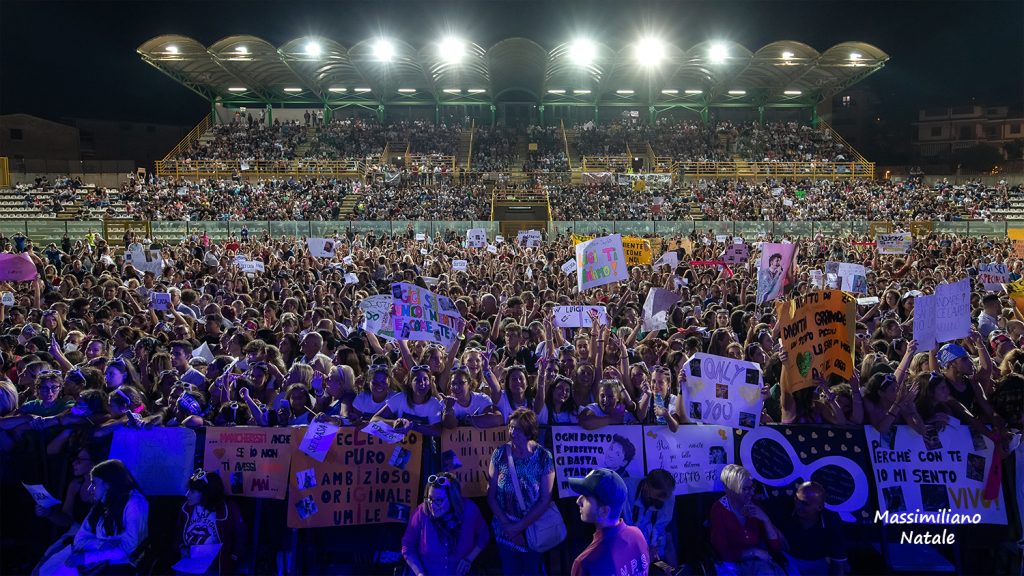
(446, 532)
(417, 407)
(208, 516)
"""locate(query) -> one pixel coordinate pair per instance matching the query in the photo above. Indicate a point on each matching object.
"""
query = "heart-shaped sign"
(749, 393)
(219, 453)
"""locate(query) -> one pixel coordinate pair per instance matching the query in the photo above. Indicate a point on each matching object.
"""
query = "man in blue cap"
(956, 366)
(617, 548)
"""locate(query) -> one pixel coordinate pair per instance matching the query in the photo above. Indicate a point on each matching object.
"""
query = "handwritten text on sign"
(472, 449)
(723, 391)
(600, 261)
(693, 455)
(251, 461)
(817, 333)
(577, 451)
(363, 480)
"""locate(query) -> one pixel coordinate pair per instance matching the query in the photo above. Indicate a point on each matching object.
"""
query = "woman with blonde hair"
(741, 533)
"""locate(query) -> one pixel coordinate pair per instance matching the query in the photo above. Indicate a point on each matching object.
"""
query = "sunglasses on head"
(420, 368)
(438, 480)
(49, 373)
(199, 476)
(460, 368)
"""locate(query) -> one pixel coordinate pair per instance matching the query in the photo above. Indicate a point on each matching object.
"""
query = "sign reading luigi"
(818, 331)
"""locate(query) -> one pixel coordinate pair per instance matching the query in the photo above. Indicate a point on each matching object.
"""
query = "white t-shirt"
(365, 404)
(596, 409)
(427, 413)
(506, 409)
(566, 417)
(477, 404)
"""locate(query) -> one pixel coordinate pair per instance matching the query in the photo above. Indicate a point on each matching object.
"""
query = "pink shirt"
(620, 550)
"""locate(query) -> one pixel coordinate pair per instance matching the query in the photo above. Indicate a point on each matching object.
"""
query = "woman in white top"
(467, 408)
(377, 388)
(417, 408)
(117, 523)
(514, 394)
(613, 406)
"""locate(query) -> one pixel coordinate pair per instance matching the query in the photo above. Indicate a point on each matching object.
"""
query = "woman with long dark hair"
(117, 524)
(209, 517)
(446, 533)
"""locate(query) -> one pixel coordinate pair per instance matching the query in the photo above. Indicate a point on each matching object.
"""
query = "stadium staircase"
(307, 142)
(464, 157)
(1016, 209)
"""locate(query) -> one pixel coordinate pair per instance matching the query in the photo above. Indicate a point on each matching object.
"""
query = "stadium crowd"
(85, 351)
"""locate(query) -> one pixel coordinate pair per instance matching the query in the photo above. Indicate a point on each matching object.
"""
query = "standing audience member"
(446, 533)
(617, 548)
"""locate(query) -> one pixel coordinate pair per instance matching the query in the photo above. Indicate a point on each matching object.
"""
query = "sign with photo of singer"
(577, 451)
(419, 314)
(693, 455)
(773, 276)
(722, 391)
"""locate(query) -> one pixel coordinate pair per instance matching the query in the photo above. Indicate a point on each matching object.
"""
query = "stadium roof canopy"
(311, 71)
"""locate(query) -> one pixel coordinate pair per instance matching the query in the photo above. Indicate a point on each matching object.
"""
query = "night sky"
(77, 59)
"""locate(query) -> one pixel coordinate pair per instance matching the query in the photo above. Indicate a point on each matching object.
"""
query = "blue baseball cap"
(951, 353)
(603, 485)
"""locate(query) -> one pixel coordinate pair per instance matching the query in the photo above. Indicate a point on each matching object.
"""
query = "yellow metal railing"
(191, 138)
(778, 169)
(606, 163)
(431, 159)
(257, 168)
(857, 157)
(469, 154)
(565, 140)
(5, 172)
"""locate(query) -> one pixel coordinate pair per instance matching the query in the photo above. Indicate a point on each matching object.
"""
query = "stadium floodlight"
(718, 53)
(737, 92)
(313, 49)
(624, 92)
(670, 92)
(293, 90)
(476, 90)
(337, 89)
(384, 50)
(787, 55)
(650, 51)
(855, 56)
(172, 49)
(793, 92)
(556, 91)
(582, 52)
(242, 50)
(452, 50)
(362, 90)
(581, 91)
(693, 92)
(407, 90)
(236, 89)
(452, 91)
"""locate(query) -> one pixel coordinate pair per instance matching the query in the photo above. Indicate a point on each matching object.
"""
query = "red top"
(730, 539)
(620, 550)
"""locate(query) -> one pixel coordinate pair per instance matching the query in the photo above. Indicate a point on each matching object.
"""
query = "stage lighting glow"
(313, 49)
(452, 50)
(582, 52)
(650, 51)
(718, 53)
(383, 50)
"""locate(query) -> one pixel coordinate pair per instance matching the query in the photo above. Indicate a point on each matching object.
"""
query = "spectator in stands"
(446, 533)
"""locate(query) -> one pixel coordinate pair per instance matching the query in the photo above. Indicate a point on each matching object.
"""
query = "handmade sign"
(993, 275)
(818, 331)
(252, 461)
(846, 276)
(41, 495)
(693, 455)
(656, 308)
(416, 314)
(318, 439)
(670, 259)
(321, 247)
(600, 261)
(160, 300)
(377, 315)
(569, 267)
(384, 431)
(931, 479)
(892, 244)
(778, 456)
(528, 238)
(466, 453)
(251, 266)
(638, 250)
(943, 317)
(579, 316)
(162, 459)
(460, 265)
(363, 480)
(773, 277)
(476, 238)
(723, 391)
(577, 451)
(736, 254)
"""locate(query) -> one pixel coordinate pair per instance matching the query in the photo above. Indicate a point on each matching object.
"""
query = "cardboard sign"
(377, 315)
(638, 250)
(569, 267)
(722, 391)
(251, 266)
(318, 439)
(945, 471)
(670, 259)
(773, 275)
(818, 332)
(160, 301)
(466, 453)
(7, 299)
(656, 308)
(778, 456)
(363, 480)
(476, 238)
(252, 461)
(846, 276)
(460, 265)
(17, 268)
(943, 317)
(161, 459)
(579, 316)
(693, 455)
(417, 314)
(528, 238)
(492, 248)
(600, 261)
(321, 247)
(894, 244)
(993, 275)
(577, 451)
